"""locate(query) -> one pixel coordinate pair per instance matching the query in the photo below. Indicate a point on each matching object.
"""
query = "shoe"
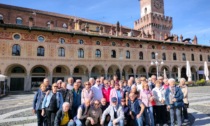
(157, 124)
(165, 124)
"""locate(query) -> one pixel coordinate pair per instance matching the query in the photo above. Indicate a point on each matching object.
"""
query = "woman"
(51, 104)
(94, 115)
(147, 98)
(87, 93)
(112, 83)
(106, 91)
(37, 105)
(159, 108)
(185, 99)
(116, 92)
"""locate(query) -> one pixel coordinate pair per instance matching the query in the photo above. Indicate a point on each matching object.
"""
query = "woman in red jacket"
(106, 90)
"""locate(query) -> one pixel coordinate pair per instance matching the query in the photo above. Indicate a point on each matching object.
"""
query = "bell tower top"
(153, 20)
(152, 6)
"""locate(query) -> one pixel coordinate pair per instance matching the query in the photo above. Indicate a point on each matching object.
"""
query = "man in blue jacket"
(174, 101)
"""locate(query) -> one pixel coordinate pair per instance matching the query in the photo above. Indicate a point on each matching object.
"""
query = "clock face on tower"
(157, 4)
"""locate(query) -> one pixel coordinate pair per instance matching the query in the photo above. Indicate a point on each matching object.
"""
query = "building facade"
(35, 45)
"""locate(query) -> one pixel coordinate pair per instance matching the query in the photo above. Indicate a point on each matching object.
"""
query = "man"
(67, 94)
(94, 114)
(115, 78)
(152, 83)
(92, 81)
(132, 79)
(174, 101)
(64, 116)
(47, 84)
(136, 110)
(79, 82)
(128, 88)
(160, 78)
(82, 113)
(102, 80)
(104, 104)
(59, 82)
(126, 112)
(116, 114)
(97, 90)
(70, 83)
(76, 91)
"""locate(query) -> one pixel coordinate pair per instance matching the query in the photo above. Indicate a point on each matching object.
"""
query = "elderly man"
(79, 82)
(116, 114)
(47, 84)
(92, 81)
(160, 78)
(70, 83)
(67, 94)
(82, 113)
(97, 90)
(64, 116)
(59, 82)
(174, 101)
(152, 83)
(76, 98)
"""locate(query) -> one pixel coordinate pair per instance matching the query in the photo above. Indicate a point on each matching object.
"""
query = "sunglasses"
(97, 81)
(96, 104)
(87, 84)
(55, 86)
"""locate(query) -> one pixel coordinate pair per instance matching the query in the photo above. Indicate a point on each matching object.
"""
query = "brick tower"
(153, 21)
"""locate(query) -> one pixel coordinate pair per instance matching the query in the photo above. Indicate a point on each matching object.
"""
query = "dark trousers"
(41, 121)
(50, 117)
(184, 111)
(160, 114)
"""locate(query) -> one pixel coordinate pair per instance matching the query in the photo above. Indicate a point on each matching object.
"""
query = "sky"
(190, 17)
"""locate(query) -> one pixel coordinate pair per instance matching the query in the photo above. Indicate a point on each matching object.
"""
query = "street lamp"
(157, 62)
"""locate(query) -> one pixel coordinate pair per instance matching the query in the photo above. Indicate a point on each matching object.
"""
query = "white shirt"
(69, 86)
(139, 87)
(97, 92)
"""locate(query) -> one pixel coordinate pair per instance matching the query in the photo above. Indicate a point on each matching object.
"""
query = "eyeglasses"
(87, 84)
(96, 104)
(78, 82)
(55, 86)
(97, 81)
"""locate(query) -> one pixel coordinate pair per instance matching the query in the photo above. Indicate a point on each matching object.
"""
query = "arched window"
(80, 53)
(65, 25)
(164, 56)
(183, 57)
(61, 52)
(38, 70)
(209, 58)
(201, 58)
(153, 55)
(18, 70)
(16, 50)
(174, 56)
(98, 53)
(48, 24)
(113, 44)
(1, 19)
(127, 54)
(127, 45)
(40, 51)
(141, 56)
(62, 41)
(192, 57)
(113, 54)
(98, 43)
(19, 21)
(81, 41)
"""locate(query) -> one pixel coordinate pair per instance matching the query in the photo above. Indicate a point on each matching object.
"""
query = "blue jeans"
(78, 122)
(120, 123)
(70, 123)
(178, 116)
(139, 121)
(148, 114)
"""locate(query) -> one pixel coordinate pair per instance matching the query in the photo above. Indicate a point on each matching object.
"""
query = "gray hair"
(183, 79)
(66, 104)
(171, 80)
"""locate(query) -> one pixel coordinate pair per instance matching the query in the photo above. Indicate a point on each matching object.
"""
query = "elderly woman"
(147, 98)
(106, 90)
(64, 116)
(87, 92)
(174, 101)
(51, 104)
(159, 108)
(185, 99)
(37, 104)
(116, 92)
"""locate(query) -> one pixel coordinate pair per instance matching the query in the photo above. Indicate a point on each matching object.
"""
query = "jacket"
(113, 93)
(59, 117)
(48, 97)
(110, 111)
(67, 96)
(76, 98)
(178, 96)
(185, 94)
(38, 99)
(106, 93)
(159, 94)
(86, 94)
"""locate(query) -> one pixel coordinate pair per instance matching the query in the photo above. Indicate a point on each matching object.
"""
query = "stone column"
(28, 82)
(50, 77)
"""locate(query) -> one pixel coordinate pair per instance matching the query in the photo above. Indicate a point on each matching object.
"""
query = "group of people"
(135, 102)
